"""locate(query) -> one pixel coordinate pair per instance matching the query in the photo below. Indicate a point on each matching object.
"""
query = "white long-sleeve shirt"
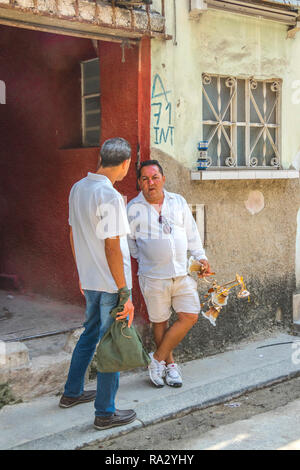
(163, 255)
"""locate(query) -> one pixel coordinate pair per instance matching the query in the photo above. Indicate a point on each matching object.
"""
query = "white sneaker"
(157, 371)
(173, 375)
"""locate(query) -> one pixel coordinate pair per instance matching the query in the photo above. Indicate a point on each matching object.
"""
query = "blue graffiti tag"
(160, 103)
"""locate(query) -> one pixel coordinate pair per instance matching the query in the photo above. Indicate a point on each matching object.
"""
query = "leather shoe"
(119, 418)
(67, 402)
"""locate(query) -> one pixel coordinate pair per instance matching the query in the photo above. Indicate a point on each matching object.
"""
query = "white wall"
(220, 43)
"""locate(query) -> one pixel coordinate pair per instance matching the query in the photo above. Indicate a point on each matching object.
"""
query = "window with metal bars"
(90, 97)
(241, 121)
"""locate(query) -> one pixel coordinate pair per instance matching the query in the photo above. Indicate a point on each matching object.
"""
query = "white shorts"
(160, 294)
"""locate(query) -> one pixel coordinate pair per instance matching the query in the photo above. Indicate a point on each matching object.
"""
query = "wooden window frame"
(84, 112)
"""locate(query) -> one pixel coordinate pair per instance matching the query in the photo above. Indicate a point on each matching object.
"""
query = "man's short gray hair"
(114, 152)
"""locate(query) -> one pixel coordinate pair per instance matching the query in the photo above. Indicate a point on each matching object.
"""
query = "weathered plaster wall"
(219, 43)
(259, 246)
(250, 225)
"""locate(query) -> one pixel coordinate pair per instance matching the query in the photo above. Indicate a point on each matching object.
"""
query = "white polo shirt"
(162, 254)
(96, 212)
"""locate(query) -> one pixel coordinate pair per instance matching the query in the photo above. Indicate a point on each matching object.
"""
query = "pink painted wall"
(40, 153)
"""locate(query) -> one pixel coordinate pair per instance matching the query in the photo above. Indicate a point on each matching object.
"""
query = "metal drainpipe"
(149, 18)
(163, 13)
(175, 23)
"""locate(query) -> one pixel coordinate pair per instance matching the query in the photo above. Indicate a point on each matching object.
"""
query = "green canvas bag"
(121, 348)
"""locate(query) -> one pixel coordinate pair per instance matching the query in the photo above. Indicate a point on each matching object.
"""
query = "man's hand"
(128, 308)
(127, 312)
(206, 271)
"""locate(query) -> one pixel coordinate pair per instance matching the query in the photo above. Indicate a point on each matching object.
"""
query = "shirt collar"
(97, 177)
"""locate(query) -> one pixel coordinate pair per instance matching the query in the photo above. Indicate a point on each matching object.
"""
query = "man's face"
(152, 183)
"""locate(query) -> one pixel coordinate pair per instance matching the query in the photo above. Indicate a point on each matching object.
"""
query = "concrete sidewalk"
(41, 424)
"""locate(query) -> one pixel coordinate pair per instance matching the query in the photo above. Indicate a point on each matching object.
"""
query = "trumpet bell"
(219, 299)
(243, 294)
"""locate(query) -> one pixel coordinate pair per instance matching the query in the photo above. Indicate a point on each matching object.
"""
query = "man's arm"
(195, 245)
(72, 243)
(132, 247)
(73, 251)
(133, 215)
(194, 241)
(114, 258)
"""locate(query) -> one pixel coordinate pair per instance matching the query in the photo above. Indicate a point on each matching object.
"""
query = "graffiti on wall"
(2, 92)
(162, 113)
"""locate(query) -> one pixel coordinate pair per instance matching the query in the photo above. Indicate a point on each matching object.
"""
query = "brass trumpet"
(217, 295)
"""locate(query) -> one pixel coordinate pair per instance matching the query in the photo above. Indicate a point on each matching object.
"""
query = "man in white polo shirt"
(98, 236)
(162, 230)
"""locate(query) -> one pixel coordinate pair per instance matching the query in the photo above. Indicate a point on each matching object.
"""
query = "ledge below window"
(243, 174)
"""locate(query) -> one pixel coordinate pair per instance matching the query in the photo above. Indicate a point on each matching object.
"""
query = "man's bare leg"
(174, 335)
(159, 331)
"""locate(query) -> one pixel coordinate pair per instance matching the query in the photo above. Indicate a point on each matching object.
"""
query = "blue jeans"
(98, 320)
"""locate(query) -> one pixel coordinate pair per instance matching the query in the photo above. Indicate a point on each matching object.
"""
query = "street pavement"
(278, 429)
(42, 425)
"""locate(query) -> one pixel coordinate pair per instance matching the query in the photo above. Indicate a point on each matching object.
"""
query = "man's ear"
(99, 162)
(125, 163)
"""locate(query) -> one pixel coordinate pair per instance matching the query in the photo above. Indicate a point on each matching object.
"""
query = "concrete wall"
(260, 246)
(250, 225)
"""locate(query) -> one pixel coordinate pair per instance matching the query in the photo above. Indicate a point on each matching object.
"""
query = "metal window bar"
(256, 153)
(90, 133)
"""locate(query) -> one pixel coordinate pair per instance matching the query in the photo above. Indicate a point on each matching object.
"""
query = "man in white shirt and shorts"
(98, 236)
(162, 231)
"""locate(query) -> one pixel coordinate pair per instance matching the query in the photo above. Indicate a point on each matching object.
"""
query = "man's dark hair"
(149, 163)
(114, 152)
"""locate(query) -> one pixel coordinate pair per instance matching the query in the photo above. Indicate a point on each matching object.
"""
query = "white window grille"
(90, 93)
(241, 121)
